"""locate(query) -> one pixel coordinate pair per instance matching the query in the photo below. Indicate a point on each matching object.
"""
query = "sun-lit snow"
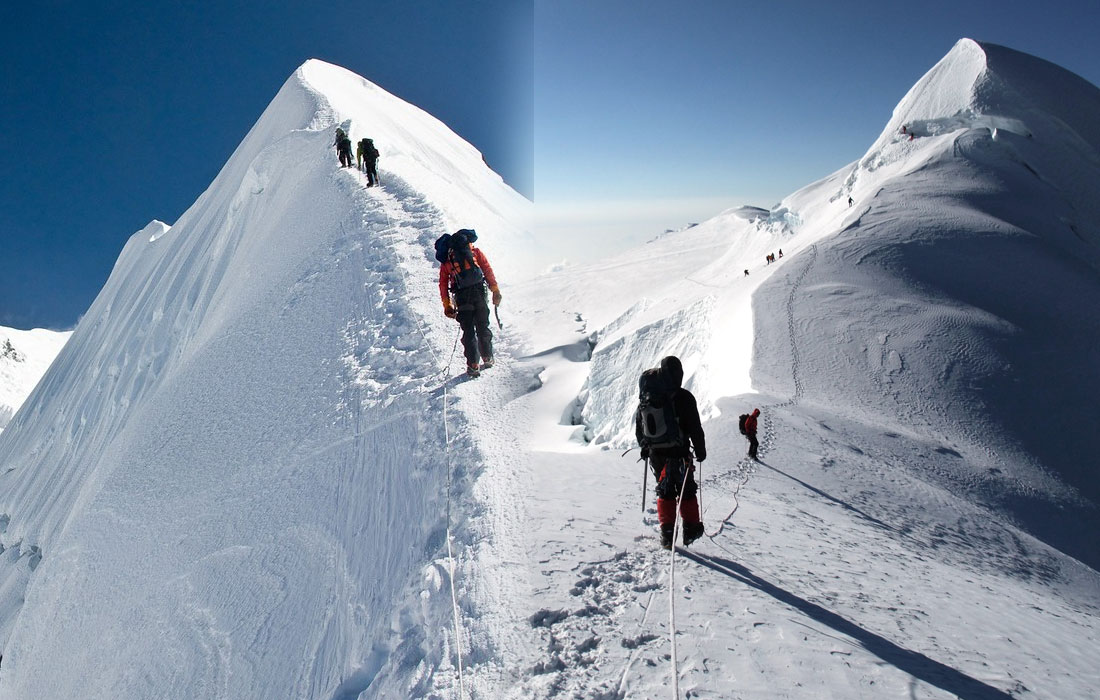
(923, 520)
(24, 358)
(238, 478)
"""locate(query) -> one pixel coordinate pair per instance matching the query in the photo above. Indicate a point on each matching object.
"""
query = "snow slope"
(923, 519)
(24, 358)
(233, 482)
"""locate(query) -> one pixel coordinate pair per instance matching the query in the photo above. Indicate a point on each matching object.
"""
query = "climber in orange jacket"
(463, 276)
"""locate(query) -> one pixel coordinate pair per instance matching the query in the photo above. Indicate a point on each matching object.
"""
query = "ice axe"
(496, 311)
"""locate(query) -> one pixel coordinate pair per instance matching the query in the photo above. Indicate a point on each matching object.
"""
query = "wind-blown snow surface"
(24, 358)
(233, 481)
(923, 521)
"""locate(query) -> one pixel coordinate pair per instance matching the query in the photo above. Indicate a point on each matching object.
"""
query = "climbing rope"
(450, 551)
(451, 564)
(444, 370)
(672, 584)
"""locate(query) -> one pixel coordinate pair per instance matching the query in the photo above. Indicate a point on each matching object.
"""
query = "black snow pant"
(472, 305)
(345, 159)
(371, 167)
(753, 444)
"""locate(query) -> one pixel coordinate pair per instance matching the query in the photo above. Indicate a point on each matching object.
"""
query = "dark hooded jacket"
(687, 415)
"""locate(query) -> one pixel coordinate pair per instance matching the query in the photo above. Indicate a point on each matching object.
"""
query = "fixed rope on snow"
(451, 564)
(672, 588)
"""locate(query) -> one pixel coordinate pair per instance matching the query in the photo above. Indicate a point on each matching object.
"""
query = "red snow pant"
(670, 477)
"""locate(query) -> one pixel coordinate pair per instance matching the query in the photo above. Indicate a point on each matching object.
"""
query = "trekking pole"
(496, 310)
(699, 485)
(645, 480)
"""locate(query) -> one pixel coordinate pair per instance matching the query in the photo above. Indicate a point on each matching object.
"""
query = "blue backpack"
(455, 247)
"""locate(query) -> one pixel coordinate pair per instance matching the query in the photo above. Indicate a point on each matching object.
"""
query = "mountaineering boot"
(487, 363)
(692, 532)
(473, 371)
(667, 534)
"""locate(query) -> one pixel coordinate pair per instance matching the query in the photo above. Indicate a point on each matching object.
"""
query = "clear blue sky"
(638, 115)
(652, 114)
(114, 113)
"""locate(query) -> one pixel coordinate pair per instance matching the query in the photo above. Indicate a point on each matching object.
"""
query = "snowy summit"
(256, 470)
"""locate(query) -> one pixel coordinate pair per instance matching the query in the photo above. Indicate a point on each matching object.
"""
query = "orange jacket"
(448, 270)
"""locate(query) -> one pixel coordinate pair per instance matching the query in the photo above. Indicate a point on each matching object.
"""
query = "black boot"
(692, 532)
(667, 533)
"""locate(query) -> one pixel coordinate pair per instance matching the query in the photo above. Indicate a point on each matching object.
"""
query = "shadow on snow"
(915, 664)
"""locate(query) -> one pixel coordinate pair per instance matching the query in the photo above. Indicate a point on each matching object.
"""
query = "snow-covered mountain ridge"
(234, 472)
(925, 359)
(961, 257)
(244, 475)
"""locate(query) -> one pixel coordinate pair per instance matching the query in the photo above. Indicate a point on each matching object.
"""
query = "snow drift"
(233, 480)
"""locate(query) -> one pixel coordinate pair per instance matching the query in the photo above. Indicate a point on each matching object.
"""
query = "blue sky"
(653, 114)
(115, 113)
(635, 115)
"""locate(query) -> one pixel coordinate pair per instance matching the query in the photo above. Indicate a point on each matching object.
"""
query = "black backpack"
(369, 151)
(453, 247)
(657, 412)
(741, 423)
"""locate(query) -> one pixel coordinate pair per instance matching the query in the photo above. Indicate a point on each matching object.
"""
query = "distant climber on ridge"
(343, 148)
(464, 273)
(367, 156)
(668, 428)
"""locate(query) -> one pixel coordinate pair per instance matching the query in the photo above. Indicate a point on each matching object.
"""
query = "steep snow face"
(24, 358)
(234, 475)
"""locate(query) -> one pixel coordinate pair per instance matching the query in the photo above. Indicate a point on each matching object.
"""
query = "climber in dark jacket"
(343, 148)
(670, 463)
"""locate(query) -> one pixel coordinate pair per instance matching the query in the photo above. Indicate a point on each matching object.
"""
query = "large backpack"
(741, 423)
(657, 412)
(453, 247)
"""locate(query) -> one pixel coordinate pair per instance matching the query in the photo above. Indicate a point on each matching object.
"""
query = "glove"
(496, 297)
(645, 453)
(448, 310)
(700, 454)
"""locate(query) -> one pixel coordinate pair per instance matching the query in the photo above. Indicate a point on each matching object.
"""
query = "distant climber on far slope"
(668, 427)
(464, 273)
